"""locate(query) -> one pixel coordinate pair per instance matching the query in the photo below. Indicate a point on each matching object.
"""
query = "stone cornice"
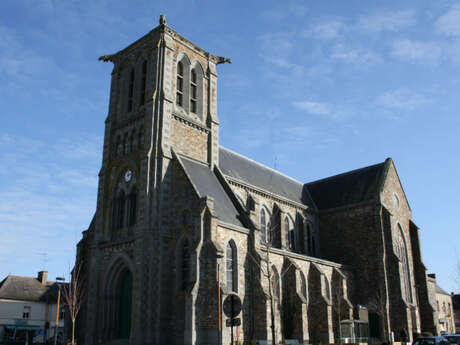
(191, 123)
(306, 258)
(264, 193)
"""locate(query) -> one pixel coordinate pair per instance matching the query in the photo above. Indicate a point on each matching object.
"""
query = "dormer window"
(193, 92)
(180, 84)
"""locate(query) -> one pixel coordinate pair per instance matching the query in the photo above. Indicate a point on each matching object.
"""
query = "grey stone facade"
(181, 217)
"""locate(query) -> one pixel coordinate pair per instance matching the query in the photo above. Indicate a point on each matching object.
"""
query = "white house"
(28, 309)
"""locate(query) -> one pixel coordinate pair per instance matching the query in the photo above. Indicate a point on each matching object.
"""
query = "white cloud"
(315, 108)
(284, 11)
(354, 56)
(401, 99)
(449, 22)
(386, 21)
(417, 51)
(326, 30)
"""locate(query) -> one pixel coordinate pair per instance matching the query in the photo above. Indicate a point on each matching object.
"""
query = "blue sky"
(316, 88)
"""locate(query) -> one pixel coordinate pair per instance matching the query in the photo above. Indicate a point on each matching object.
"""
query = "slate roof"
(348, 188)
(441, 291)
(253, 173)
(207, 184)
(27, 289)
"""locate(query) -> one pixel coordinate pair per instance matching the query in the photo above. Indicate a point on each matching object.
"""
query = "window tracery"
(124, 207)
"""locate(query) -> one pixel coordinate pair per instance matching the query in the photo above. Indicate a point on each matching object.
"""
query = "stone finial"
(162, 19)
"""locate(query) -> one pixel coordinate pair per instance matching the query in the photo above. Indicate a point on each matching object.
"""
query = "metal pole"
(219, 316)
(57, 315)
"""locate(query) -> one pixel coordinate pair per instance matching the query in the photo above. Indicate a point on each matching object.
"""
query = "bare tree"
(73, 296)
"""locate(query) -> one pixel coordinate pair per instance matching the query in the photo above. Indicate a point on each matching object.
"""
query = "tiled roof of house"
(27, 289)
(348, 188)
(441, 291)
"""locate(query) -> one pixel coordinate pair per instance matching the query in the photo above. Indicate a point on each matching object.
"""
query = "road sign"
(233, 322)
(232, 306)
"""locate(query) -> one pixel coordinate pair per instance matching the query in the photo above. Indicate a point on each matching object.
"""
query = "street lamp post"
(58, 279)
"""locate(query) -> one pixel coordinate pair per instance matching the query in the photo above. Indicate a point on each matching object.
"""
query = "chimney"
(42, 277)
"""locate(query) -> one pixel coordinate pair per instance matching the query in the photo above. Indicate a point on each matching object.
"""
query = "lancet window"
(263, 226)
(401, 252)
(185, 265)
(180, 84)
(143, 83)
(131, 90)
(232, 267)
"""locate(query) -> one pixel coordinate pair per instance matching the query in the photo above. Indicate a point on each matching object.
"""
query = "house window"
(180, 84)
(131, 90)
(193, 92)
(143, 83)
(62, 314)
(231, 266)
(263, 226)
(185, 265)
(437, 305)
(26, 312)
(444, 307)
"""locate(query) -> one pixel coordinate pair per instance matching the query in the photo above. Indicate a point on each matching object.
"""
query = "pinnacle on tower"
(162, 19)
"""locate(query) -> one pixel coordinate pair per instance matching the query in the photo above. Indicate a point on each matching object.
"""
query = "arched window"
(140, 137)
(118, 147)
(132, 140)
(444, 307)
(125, 144)
(290, 236)
(401, 252)
(303, 285)
(185, 265)
(119, 210)
(180, 84)
(275, 282)
(131, 90)
(132, 200)
(193, 92)
(308, 239)
(437, 305)
(263, 226)
(186, 219)
(232, 267)
(143, 83)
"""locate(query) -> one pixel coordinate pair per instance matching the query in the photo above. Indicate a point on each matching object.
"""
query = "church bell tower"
(163, 101)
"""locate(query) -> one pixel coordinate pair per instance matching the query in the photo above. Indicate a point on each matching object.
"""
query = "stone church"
(182, 223)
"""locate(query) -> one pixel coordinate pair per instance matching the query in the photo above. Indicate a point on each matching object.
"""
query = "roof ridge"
(262, 165)
(346, 173)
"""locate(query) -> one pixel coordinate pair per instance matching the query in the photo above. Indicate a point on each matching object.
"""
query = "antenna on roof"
(44, 256)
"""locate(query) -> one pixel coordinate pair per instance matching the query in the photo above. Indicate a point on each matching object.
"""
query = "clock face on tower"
(128, 175)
